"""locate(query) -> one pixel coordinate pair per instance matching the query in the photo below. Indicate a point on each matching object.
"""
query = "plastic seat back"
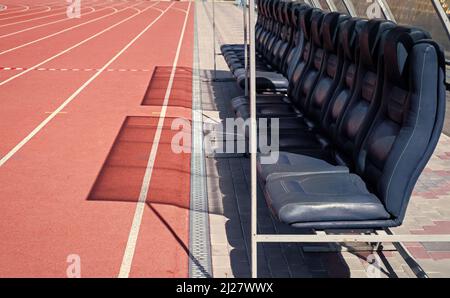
(298, 12)
(365, 100)
(349, 51)
(280, 51)
(293, 31)
(275, 29)
(314, 65)
(408, 125)
(305, 45)
(332, 66)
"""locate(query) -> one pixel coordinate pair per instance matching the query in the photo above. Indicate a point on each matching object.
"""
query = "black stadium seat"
(275, 43)
(309, 74)
(299, 56)
(358, 114)
(288, 162)
(270, 80)
(362, 115)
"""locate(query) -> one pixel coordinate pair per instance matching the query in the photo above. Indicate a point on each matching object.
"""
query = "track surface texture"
(89, 185)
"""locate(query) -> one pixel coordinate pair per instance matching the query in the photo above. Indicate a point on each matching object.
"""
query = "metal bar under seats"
(325, 238)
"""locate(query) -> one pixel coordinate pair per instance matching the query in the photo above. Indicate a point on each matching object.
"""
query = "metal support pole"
(442, 16)
(214, 37)
(331, 5)
(308, 2)
(386, 10)
(245, 46)
(251, 27)
(351, 9)
(316, 3)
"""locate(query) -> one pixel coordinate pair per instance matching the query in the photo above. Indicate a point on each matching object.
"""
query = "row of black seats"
(276, 41)
(363, 113)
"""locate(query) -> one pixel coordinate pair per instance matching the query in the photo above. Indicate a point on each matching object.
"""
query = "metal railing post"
(214, 37)
(316, 3)
(253, 147)
(351, 9)
(331, 5)
(386, 10)
(245, 46)
(442, 16)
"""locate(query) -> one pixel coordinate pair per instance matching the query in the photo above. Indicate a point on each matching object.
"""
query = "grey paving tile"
(433, 246)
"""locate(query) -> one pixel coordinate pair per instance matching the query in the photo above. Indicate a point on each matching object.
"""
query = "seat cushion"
(260, 99)
(323, 198)
(236, 46)
(263, 69)
(268, 111)
(290, 164)
(265, 81)
(303, 141)
(235, 64)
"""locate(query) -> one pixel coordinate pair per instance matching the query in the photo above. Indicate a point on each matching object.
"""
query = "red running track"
(60, 133)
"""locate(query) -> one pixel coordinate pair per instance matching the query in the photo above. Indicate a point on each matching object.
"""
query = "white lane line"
(2, 8)
(77, 92)
(38, 18)
(140, 205)
(65, 30)
(28, 12)
(74, 46)
(7, 10)
(92, 10)
(47, 9)
(74, 69)
(179, 9)
(54, 22)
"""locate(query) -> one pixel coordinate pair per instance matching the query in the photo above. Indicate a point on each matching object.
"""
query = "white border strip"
(137, 219)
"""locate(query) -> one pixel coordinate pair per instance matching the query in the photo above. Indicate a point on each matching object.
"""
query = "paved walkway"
(229, 199)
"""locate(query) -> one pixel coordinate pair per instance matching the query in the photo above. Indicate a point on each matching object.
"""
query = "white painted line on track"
(93, 10)
(8, 12)
(22, 15)
(74, 46)
(50, 23)
(38, 18)
(65, 30)
(77, 92)
(48, 8)
(7, 68)
(140, 205)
